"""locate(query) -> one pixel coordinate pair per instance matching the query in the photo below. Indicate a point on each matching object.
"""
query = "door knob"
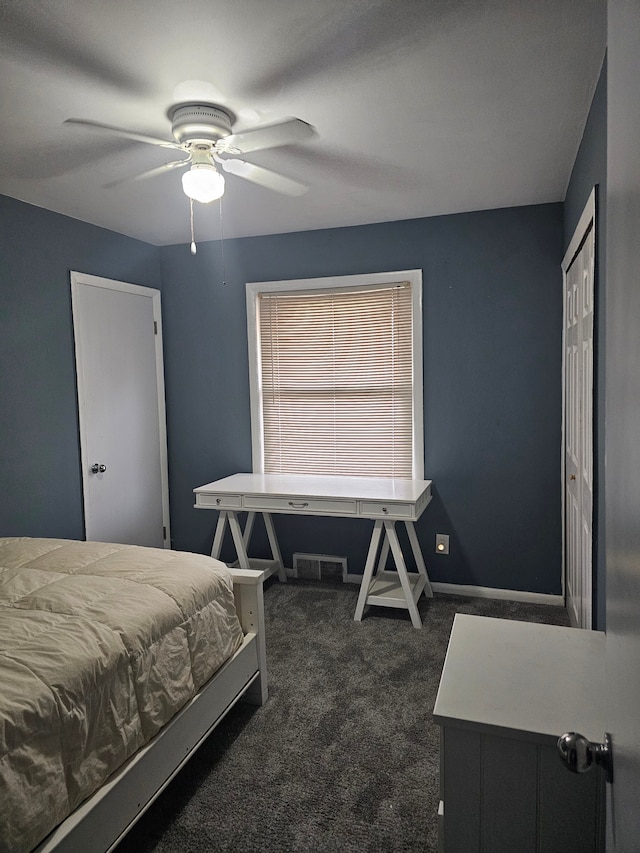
(95, 468)
(580, 754)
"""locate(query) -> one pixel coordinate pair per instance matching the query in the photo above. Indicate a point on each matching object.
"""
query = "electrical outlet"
(442, 543)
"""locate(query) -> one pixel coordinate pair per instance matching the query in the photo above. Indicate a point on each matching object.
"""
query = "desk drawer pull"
(375, 509)
(219, 501)
(299, 504)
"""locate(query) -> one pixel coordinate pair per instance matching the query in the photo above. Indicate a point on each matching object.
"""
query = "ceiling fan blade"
(120, 131)
(348, 168)
(150, 173)
(35, 33)
(321, 44)
(264, 177)
(267, 136)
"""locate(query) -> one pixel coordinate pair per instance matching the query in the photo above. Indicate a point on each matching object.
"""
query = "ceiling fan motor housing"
(200, 122)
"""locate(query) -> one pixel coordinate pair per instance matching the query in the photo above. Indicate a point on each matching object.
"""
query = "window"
(336, 375)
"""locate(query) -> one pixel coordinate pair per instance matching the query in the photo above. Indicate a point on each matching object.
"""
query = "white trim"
(588, 216)
(503, 594)
(471, 591)
(111, 284)
(254, 288)
(79, 279)
(255, 388)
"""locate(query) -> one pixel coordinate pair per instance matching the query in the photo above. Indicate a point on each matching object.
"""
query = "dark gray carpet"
(344, 755)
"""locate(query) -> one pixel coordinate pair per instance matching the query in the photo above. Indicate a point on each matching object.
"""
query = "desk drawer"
(219, 501)
(313, 506)
(379, 509)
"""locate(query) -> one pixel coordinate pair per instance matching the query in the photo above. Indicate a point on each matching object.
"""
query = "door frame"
(78, 280)
(586, 222)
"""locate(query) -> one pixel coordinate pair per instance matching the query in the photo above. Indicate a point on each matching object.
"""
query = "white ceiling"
(421, 107)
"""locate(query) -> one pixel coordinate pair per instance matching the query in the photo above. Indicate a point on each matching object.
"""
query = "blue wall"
(40, 479)
(492, 367)
(492, 331)
(590, 169)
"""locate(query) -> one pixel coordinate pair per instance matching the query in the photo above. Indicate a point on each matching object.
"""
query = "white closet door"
(121, 411)
(578, 450)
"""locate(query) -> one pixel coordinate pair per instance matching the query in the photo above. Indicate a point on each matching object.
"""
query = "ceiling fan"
(203, 132)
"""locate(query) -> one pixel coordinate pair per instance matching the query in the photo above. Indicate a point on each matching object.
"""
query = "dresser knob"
(580, 754)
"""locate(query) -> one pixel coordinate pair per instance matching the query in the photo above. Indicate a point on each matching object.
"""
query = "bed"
(116, 662)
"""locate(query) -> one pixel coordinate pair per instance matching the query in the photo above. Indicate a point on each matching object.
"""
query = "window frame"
(343, 282)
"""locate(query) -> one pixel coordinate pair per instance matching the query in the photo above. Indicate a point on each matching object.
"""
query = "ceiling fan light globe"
(203, 183)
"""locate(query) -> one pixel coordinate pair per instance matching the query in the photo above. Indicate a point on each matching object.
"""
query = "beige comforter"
(100, 645)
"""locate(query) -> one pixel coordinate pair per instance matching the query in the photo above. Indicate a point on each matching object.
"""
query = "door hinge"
(155, 327)
(164, 532)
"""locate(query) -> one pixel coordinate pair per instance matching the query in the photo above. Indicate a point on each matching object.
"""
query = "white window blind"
(336, 381)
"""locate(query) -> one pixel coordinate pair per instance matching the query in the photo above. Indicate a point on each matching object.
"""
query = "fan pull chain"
(222, 244)
(193, 239)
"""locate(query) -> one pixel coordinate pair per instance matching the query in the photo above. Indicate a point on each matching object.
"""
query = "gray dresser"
(508, 690)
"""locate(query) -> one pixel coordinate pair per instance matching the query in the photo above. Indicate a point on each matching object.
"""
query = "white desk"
(385, 501)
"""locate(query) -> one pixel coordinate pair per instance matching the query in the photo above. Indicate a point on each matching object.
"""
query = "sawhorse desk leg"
(393, 589)
(241, 541)
(368, 569)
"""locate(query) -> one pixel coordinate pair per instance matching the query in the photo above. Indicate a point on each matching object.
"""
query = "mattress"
(100, 645)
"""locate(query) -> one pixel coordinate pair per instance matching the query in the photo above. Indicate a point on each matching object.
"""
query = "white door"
(622, 427)
(121, 411)
(578, 267)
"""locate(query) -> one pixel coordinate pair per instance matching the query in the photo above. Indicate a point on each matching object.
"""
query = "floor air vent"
(319, 567)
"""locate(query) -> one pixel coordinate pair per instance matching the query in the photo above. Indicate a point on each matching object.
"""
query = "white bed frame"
(102, 820)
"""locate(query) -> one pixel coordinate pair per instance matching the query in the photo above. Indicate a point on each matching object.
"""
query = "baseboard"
(486, 592)
(494, 592)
